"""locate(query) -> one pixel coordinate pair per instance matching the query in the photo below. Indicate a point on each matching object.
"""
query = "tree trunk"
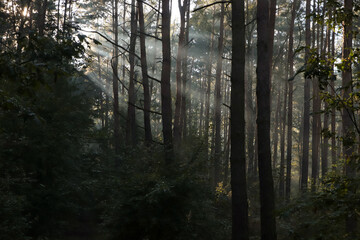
(41, 16)
(306, 128)
(145, 82)
(249, 105)
(179, 62)
(347, 121)
(325, 147)
(290, 102)
(202, 97)
(276, 131)
(115, 64)
(333, 110)
(131, 118)
(267, 201)
(282, 144)
(316, 127)
(240, 230)
(165, 82)
(209, 80)
(218, 101)
(185, 71)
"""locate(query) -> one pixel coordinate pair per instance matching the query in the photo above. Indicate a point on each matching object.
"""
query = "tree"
(267, 199)
(145, 79)
(165, 82)
(218, 101)
(131, 118)
(179, 82)
(346, 115)
(115, 64)
(290, 102)
(183, 115)
(306, 128)
(240, 229)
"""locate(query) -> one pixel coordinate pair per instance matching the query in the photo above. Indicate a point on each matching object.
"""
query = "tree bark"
(325, 147)
(131, 117)
(306, 128)
(145, 79)
(185, 71)
(276, 131)
(165, 82)
(240, 230)
(41, 18)
(209, 80)
(249, 105)
(333, 110)
(179, 83)
(115, 64)
(218, 101)
(316, 123)
(290, 102)
(347, 121)
(282, 144)
(267, 202)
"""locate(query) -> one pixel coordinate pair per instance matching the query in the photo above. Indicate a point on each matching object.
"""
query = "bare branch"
(140, 108)
(209, 5)
(107, 39)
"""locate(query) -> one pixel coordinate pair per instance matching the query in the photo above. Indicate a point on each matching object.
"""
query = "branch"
(117, 77)
(107, 39)
(247, 24)
(349, 111)
(150, 111)
(226, 105)
(209, 5)
(149, 35)
(153, 8)
(155, 79)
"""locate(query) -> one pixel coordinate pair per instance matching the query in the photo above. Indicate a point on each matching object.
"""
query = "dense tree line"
(179, 119)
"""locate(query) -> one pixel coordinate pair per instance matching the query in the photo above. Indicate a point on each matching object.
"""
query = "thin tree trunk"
(145, 82)
(202, 97)
(186, 99)
(276, 131)
(218, 101)
(179, 62)
(123, 59)
(347, 121)
(249, 106)
(165, 82)
(290, 102)
(325, 147)
(131, 117)
(115, 64)
(185, 71)
(209, 80)
(282, 143)
(306, 129)
(316, 133)
(333, 110)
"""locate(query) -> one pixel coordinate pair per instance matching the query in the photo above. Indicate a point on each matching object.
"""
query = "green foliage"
(45, 119)
(153, 201)
(322, 214)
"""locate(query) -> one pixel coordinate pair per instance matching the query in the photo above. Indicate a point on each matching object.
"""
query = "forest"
(179, 119)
